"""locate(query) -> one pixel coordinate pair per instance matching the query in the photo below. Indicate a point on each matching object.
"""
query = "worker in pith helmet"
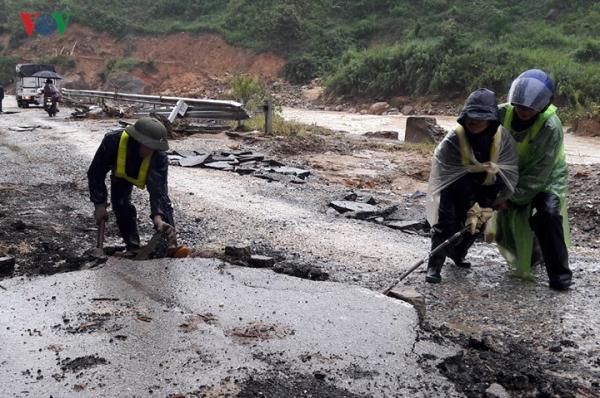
(538, 207)
(473, 170)
(136, 156)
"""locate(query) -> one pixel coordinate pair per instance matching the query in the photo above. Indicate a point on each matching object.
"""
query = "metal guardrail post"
(268, 109)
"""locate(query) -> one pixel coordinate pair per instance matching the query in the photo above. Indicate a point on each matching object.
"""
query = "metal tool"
(447, 242)
(100, 238)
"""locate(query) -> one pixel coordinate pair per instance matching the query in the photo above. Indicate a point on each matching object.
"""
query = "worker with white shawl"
(474, 169)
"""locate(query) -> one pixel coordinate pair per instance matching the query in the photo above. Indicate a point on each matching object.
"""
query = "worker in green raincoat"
(538, 206)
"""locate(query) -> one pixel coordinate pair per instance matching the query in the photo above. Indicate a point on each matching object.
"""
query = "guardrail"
(182, 106)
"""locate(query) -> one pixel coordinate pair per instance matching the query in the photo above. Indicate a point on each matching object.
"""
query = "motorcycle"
(50, 106)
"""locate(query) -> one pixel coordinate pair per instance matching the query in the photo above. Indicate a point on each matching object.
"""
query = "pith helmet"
(149, 132)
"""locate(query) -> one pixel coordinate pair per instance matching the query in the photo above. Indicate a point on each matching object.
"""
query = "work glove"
(476, 217)
(100, 213)
(161, 225)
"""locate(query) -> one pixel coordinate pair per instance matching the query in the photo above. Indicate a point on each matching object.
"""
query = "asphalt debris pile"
(408, 216)
(243, 162)
(43, 233)
(242, 254)
(583, 199)
(505, 367)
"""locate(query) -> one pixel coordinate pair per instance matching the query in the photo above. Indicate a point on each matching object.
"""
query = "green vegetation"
(249, 91)
(7, 69)
(113, 66)
(378, 49)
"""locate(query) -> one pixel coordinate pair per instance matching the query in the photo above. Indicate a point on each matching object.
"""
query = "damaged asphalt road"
(190, 326)
(480, 328)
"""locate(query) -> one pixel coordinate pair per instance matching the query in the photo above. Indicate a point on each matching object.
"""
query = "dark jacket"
(1, 92)
(106, 159)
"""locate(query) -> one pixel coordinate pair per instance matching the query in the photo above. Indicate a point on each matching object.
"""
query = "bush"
(7, 69)
(589, 52)
(300, 69)
(249, 91)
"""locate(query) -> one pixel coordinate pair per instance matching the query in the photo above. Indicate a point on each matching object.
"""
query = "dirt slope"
(185, 63)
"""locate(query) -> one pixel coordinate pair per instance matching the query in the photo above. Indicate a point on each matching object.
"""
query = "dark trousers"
(125, 212)
(455, 201)
(1, 99)
(547, 224)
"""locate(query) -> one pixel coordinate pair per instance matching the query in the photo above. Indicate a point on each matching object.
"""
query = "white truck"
(28, 87)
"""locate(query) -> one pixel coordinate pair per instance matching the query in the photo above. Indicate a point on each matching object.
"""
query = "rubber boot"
(548, 228)
(434, 269)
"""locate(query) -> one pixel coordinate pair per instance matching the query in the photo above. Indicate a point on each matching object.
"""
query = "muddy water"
(580, 150)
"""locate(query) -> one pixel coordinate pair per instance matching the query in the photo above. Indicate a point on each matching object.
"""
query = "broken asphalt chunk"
(344, 206)
(411, 296)
(259, 261)
(224, 166)
(7, 265)
(193, 161)
(301, 270)
(300, 173)
(238, 250)
(406, 225)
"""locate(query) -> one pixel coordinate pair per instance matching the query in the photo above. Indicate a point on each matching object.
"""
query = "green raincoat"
(542, 168)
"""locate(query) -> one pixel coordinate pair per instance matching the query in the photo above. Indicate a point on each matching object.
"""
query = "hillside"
(373, 49)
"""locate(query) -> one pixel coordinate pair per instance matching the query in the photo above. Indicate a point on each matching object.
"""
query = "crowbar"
(447, 242)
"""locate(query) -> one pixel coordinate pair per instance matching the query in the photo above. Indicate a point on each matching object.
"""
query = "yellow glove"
(477, 216)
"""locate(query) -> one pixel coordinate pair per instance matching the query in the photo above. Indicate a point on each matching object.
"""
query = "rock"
(393, 111)
(407, 110)
(389, 135)
(261, 261)
(240, 251)
(339, 108)
(422, 130)
(344, 206)
(192, 161)
(378, 108)
(312, 94)
(352, 110)
(552, 14)
(411, 296)
(363, 112)
(7, 265)
(495, 390)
